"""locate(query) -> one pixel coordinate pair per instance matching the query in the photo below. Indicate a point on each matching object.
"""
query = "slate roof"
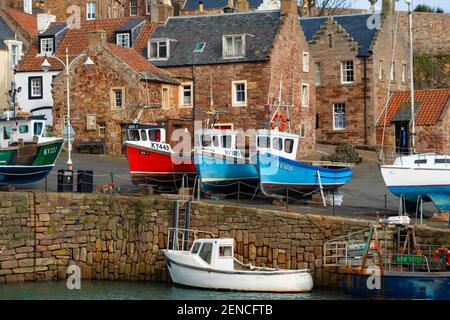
(354, 24)
(54, 29)
(130, 25)
(192, 5)
(432, 104)
(186, 31)
(76, 42)
(27, 21)
(5, 34)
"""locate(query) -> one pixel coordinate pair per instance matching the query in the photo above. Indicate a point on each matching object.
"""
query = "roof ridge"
(221, 14)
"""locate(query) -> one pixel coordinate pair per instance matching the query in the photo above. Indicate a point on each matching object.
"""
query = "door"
(402, 137)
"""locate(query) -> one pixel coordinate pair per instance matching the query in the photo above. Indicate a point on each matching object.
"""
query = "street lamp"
(46, 67)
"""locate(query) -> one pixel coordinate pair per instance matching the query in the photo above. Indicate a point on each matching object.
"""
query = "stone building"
(156, 10)
(110, 95)
(242, 59)
(353, 55)
(432, 122)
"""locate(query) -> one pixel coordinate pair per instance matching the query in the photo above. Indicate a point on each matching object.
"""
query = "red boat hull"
(156, 167)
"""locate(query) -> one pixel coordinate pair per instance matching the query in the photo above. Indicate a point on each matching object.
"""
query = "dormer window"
(233, 46)
(123, 39)
(47, 46)
(200, 46)
(159, 49)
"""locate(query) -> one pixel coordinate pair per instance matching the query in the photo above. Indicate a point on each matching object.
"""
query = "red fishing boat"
(152, 160)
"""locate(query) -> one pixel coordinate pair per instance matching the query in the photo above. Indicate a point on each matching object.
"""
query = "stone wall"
(115, 237)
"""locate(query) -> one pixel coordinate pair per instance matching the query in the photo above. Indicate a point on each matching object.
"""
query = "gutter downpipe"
(365, 100)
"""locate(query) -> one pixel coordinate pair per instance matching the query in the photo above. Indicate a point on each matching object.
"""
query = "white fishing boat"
(423, 176)
(210, 264)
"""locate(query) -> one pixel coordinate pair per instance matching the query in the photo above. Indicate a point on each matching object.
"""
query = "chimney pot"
(289, 7)
(200, 6)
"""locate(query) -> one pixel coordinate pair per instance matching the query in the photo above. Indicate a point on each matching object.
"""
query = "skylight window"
(200, 46)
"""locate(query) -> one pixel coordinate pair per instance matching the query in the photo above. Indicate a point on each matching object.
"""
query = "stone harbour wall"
(114, 237)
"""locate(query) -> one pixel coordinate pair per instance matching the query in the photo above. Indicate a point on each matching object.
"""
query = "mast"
(411, 80)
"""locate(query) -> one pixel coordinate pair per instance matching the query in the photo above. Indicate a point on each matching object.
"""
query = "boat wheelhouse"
(152, 160)
(210, 264)
(27, 153)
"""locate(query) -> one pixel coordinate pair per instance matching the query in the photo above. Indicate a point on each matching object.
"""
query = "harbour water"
(123, 290)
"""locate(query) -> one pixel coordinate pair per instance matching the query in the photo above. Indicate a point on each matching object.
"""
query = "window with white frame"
(148, 6)
(233, 46)
(123, 39)
(133, 7)
(302, 130)
(404, 73)
(305, 95)
(239, 93)
(339, 116)
(14, 55)
(47, 46)
(318, 76)
(117, 98)
(102, 128)
(90, 10)
(393, 71)
(186, 94)
(380, 70)
(165, 99)
(159, 49)
(305, 62)
(347, 72)
(199, 46)
(35, 87)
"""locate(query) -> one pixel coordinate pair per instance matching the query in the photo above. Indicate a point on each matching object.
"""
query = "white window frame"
(148, 5)
(40, 94)
(225, 54)
(334, 116)
(102, 126)
(344, 71)
(304, 84)
(201, 46)
(302, 126)
(48, 40)
(392, 72)
(158, 41)
(380, 69)
(163, 104)
(234, 102)
(182, 89)
(89, 14)
(121, 35)
(404, 72)
(135, 7)
(14, 58)
(318, 77)
(305, 61)
(114, 99)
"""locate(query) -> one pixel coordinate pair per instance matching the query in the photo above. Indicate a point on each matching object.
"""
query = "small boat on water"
(210, 264)
(386, 262)
(279, 172)
(27, 154)
(221, 165)
(152, 160)
(420, 175)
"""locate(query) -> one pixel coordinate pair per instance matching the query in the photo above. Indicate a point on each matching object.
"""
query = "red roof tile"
(25, 20)
(432, 104)
(76, 41)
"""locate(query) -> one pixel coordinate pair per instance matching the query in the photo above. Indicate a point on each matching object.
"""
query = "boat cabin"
(221, 141)
(424, 160)
(25, 129)
(143, 132)
(277, 143)
(217, 253)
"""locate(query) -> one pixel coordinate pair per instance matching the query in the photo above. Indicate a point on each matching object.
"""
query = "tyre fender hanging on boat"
(438, 252)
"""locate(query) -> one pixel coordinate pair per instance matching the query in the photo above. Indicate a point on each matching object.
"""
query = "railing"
(406, 261)
(182, 239)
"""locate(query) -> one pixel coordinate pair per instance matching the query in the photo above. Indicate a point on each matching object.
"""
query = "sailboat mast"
(411, 71)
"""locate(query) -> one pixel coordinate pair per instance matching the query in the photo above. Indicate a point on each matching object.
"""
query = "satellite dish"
(19, 89)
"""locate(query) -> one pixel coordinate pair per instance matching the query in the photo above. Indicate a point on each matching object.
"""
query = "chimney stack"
(230, 7)
(200, 6)
(305, 8)
(289, 7)
(242, 6)
(97, 38)
(162, 11)
(388, 7)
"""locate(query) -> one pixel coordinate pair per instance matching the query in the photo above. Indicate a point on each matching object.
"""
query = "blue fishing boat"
(279, 171)
(220, 165)
(386, 262)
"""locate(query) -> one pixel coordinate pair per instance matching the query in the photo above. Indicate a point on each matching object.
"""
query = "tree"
(325, 7)
(427, 8)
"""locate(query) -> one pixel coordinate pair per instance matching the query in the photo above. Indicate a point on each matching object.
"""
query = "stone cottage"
(242, 59)
(111, 94)
(353, 55)
(432, 122)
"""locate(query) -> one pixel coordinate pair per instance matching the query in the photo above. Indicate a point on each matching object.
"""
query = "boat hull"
(18, 169)
(431, 184)
(156, 167)
(219, 173)
(277, 174)
(401, 285)
(238, 280)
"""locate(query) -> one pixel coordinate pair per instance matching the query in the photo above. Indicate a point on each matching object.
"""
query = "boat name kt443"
(284, 166)
(159, 146)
